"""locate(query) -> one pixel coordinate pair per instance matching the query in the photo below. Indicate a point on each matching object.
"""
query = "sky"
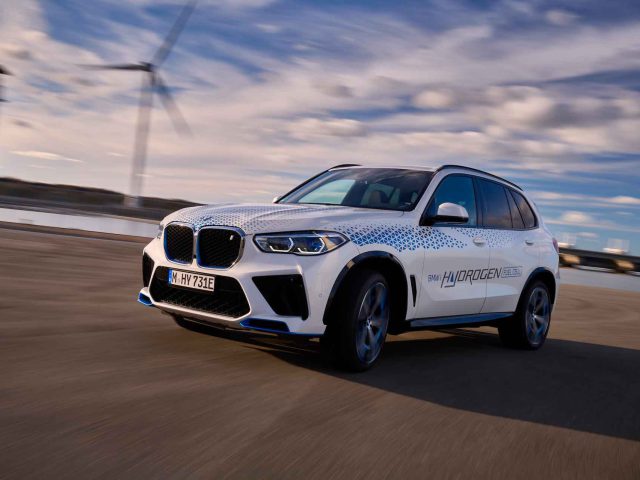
(546, 94)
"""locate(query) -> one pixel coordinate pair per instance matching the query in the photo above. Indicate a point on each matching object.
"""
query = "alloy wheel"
(373, 318)
(538, 314)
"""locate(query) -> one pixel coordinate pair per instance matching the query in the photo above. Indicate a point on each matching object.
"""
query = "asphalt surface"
(94, 385)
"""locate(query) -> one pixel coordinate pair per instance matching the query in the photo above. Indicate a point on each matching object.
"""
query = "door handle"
(529, 242)
(479, 241)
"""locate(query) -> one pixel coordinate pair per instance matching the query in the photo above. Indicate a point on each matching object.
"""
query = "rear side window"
(495, 213)
(528, 216)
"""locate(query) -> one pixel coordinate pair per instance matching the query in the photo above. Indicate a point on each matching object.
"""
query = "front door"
(456, 266)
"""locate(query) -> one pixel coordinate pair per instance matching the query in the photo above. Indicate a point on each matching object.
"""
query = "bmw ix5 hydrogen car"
(355, 253)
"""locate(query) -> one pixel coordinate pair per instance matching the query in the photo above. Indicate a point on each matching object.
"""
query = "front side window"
(456, 189)
(495, 213)
(380, 188)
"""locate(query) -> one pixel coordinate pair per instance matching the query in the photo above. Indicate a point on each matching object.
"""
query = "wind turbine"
(3, 71)
(152, 83)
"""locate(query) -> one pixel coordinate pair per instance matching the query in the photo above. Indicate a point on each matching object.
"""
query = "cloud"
(625, 200)
(225, 4)
(17, 52)
(45, 156)
(576, 218)
(560, 18)
(436, 98)
(336, 127)
(21, 123)
(335, 89)
(269, 28)
(561, 198)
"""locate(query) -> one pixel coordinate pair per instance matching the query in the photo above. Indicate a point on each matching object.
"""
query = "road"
(94, 385)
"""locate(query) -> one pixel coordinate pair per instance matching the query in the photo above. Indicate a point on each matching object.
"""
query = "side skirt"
(476, 320)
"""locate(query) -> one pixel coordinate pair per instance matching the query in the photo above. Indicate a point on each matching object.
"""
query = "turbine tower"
(152, 84)
(3, 71)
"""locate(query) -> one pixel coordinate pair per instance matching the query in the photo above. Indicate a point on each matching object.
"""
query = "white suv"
(355, 253)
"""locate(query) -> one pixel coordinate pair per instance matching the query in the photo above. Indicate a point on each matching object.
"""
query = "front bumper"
(318, 274)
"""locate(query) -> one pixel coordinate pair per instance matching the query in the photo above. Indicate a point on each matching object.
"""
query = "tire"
(355, 337)
(529, 326)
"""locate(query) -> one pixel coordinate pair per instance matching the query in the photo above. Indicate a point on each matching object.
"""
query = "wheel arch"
(547, 277)
(389, 266)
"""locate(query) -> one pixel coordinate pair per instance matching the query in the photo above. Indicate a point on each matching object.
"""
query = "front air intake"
(285, 294)
(178, 243)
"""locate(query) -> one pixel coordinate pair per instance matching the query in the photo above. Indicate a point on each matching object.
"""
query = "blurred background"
(268, 92)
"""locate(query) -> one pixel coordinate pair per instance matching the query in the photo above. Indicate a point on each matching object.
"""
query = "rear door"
(512, 244)
(451, 283)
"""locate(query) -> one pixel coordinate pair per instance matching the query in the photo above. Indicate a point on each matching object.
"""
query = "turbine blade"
(122, 66)
(163, 52)
(179, 123)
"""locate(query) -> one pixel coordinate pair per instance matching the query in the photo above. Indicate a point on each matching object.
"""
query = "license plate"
(191, 280)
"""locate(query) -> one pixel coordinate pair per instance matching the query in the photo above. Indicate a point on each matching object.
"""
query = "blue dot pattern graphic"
(495, 238)
(399, 236)
(250, 218)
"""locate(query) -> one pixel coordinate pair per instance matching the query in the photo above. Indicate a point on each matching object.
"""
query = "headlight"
(160, 230)
(300, 243)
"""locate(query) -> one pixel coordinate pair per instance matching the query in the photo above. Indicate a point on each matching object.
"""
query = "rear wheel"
(356, 336)
(529, 327)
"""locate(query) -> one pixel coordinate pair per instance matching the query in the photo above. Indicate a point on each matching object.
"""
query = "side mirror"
(448, 213)
(275, 199)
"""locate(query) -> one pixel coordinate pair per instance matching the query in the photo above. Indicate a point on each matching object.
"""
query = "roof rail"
(443, 167)
(343, 165)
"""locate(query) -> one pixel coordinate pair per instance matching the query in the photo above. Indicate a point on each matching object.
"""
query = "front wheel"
(357, 334)
(529, 326)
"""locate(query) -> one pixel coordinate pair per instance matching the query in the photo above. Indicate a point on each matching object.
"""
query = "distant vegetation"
(16, 193)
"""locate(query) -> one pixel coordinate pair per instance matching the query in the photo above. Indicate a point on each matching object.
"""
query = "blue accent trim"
(478, 319)
(143, 299)
(247, 324)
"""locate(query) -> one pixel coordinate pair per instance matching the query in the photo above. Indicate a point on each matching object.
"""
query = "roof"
(398, 167)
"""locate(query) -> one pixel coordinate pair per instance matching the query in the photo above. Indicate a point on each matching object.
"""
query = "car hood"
(265, 218)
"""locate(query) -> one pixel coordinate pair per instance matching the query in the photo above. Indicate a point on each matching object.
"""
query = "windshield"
(382, 188)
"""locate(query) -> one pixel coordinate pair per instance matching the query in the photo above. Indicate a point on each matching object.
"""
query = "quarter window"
(495, 213)
(528, 216)
(456, 189)
(516, 218)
